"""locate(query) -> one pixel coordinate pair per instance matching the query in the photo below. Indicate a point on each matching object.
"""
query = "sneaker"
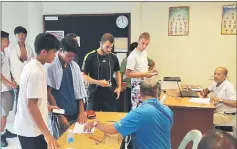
(3, 141)
(9, 134)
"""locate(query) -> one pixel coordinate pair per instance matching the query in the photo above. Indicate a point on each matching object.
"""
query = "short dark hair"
(69, 44)
(107, 37)
(72, 35)
(45, 41)
(20, 29)
(217, 139)
(131, 47)
(4, 34)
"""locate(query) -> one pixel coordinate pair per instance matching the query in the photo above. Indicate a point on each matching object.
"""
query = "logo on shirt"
(104, 61)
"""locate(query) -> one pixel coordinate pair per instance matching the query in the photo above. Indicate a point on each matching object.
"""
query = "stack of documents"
(200, 100)
(195, 88)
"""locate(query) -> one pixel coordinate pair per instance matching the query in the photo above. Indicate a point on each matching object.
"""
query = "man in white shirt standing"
(137, 68)
(20, 54)
(7, 86)
(32, 114)
(224, 96)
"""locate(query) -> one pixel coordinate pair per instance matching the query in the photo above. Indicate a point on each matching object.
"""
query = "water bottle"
(70, 139)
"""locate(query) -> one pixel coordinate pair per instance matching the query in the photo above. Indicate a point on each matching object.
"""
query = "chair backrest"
(193, 135)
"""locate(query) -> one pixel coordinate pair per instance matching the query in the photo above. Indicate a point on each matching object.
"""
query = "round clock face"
(122, 21)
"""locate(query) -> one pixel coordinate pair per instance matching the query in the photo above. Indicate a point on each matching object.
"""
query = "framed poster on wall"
(228, 23)
(178, 21)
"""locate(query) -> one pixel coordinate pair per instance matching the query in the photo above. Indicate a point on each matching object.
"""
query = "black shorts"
(33, 142)
(102, 100)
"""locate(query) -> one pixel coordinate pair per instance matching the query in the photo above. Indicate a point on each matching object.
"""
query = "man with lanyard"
(137, 68)
(224, 97)
(65, 84)
(98, 68)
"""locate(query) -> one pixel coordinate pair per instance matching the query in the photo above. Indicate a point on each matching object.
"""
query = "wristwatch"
(221, 101)
(95, 123)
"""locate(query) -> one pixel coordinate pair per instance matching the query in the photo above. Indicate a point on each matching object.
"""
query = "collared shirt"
(150, 125)
(33, 86)
(224, 91)
(16, 65)
(5, 70)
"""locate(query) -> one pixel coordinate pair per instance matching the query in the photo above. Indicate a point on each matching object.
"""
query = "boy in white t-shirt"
(7, 86)
(32, 112)
(137, 68)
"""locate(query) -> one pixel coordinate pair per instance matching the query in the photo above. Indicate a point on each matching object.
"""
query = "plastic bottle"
(70, 139)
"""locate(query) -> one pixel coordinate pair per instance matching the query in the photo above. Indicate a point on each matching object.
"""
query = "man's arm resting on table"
(36, 115)
(107, 128)
(82, 117)
(205, 92)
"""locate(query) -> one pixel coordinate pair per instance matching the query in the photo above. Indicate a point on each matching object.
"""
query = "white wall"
(192, 57)
(14, 14)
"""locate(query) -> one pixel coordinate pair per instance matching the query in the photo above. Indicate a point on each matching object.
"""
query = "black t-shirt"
(100, 67)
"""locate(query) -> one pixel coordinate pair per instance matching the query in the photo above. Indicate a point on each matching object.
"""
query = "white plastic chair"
(193, 135)
(234, 127)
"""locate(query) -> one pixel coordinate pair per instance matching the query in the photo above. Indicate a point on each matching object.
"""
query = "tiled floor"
(13, 142)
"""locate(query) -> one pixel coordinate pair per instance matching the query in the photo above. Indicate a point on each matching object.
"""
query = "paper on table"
(79, 128)
(200, 100)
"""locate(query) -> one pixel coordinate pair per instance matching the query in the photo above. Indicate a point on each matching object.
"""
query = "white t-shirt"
(33, 85)
(5, 70)
(137, 61)
(16, 64)
(225, 91)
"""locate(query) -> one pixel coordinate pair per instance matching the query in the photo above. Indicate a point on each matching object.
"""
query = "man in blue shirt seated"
(149, 124)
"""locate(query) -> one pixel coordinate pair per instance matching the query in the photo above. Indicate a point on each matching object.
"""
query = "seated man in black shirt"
(98, 68)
